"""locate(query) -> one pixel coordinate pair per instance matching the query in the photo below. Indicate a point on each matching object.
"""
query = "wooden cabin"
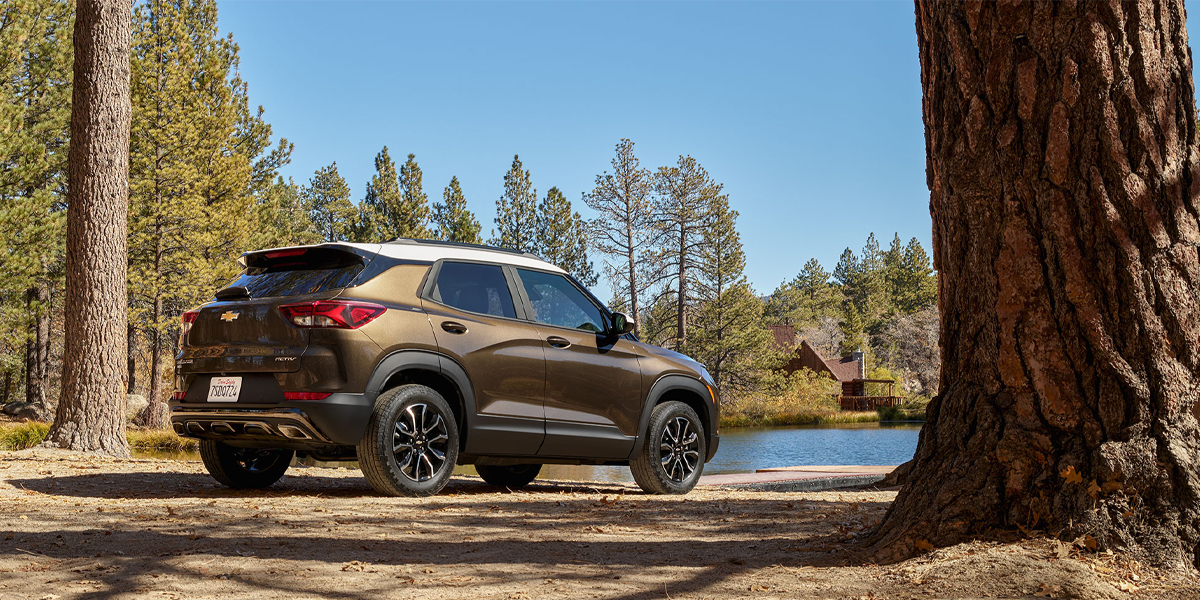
(850, 371)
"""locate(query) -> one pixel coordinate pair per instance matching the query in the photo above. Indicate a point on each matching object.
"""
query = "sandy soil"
(77, 526)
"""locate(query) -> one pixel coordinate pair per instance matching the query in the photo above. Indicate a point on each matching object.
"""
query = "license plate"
(224, 389)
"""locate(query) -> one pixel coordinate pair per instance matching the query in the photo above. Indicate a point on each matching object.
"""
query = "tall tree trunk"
(681, 308)
(633, 286)
(1062, 168)
(130, 362)
(91, 410)
(37, 347)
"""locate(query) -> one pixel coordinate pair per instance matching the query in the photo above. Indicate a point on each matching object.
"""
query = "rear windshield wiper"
(233, 292)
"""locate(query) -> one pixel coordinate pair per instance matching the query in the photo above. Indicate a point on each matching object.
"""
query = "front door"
(593, 381)
(475, 323)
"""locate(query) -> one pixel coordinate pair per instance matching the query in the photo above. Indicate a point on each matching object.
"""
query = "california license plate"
(224, 389)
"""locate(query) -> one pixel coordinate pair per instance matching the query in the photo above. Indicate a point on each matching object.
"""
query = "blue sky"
(808, 112)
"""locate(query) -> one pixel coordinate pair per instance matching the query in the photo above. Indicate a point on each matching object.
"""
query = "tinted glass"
(558, 302)
(474, 288)
(272, 283)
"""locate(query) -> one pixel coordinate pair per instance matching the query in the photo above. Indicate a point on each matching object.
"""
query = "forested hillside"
(205, 186)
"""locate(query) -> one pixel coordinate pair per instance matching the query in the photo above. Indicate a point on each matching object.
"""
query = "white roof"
(432, 252)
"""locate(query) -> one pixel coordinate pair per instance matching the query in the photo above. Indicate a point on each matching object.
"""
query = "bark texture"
(91, 411)
(1062, 168)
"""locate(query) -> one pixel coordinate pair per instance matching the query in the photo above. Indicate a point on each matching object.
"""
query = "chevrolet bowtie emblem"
(229, 315)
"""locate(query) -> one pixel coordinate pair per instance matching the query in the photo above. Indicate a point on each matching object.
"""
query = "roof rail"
(423, 242)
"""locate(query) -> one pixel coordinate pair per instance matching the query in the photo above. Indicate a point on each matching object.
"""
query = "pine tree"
(683, 201)
(327, 198)
(917, 282)
(870, 295)
(622, 230)
(727, 335)
(563, 237)
(378, 213)
(395, 205)
(455, 223)
(282, 218)
(412, 219)
(196, 159)
(35, 108)
(806, 299)
(516, 211)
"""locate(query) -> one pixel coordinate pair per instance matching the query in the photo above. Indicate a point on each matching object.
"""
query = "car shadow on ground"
(296, 483)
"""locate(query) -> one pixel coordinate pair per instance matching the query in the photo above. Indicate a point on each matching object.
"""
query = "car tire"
(672, 459)
(411, 443)
(508, 476)
(244, 468)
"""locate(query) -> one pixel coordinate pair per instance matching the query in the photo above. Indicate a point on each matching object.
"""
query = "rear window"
(298, 272)
(296, 282)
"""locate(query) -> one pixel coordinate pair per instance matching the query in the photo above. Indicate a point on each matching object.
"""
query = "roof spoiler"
(322, 256)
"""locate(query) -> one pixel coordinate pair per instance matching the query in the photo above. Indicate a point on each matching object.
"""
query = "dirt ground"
(78, 526)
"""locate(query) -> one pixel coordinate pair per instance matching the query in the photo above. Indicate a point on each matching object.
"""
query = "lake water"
(745, 449)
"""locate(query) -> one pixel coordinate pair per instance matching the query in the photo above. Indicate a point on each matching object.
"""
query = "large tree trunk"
(1062, 168)
(91, 410)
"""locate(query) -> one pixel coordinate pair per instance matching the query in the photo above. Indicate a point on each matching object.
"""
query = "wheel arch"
(681, 388)
(439, 372)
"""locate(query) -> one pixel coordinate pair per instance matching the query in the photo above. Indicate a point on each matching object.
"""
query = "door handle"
(558, 342)
(452, 327)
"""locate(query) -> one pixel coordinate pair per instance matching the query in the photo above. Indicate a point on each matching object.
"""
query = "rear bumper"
(338, 420)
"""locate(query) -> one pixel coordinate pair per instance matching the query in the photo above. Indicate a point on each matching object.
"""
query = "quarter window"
(556, 301)
(474, 288)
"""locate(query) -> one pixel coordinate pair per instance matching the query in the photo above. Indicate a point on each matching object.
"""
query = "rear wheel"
(509, 476)
(672, 458)
(244, 468)
(411, 442)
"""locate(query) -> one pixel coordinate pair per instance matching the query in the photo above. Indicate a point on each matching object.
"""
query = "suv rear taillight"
(187, 320)
(337, 314)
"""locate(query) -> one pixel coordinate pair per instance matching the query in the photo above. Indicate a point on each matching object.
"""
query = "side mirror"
(620, 324)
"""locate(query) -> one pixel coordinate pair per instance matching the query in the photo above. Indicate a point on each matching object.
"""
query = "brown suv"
(413, 356)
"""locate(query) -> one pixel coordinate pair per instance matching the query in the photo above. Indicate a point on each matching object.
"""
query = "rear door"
(476, 323)
(593, 381)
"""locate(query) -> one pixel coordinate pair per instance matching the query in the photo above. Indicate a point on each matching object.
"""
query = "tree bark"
(91, 410)
(1062, 168)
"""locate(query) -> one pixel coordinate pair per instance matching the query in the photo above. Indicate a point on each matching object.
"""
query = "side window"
(474, 288)
(557, 302)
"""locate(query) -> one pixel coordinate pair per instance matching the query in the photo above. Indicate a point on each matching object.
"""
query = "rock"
(156, 416)
(34, 412)
(134, 405)
(13, 407)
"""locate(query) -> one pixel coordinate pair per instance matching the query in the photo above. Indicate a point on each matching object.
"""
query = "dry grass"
(19, 436)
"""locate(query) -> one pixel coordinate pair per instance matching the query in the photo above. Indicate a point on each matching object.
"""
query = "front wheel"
(411, 442)
(510, 476)
(244, 468)
(672, 458)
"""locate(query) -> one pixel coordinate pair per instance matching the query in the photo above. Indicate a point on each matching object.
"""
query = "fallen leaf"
(1094, 490)
(924, 546)
(1071, 475)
